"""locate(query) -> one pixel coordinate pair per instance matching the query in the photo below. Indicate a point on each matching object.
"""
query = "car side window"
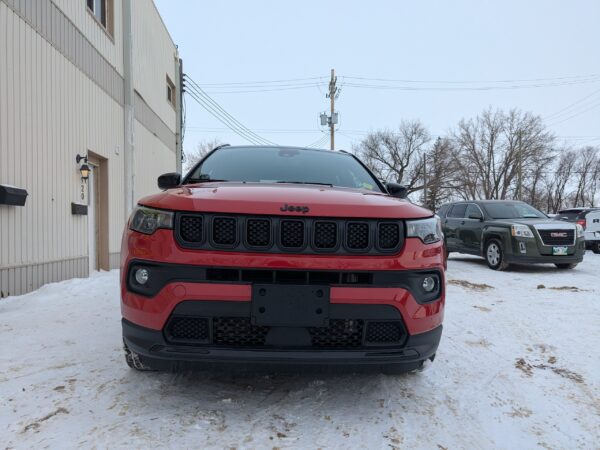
(443, 210)
(458, 210)
(473, 209)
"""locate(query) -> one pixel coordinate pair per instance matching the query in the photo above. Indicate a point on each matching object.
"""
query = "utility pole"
(332, 119)
(332, 92)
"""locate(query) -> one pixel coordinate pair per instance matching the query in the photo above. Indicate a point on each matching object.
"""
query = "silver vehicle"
(589, 219)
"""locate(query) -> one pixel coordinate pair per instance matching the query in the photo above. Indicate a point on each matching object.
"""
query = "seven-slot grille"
(277, 234)
(557, 237)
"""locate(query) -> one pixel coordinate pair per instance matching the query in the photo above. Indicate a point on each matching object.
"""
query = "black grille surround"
(289, 234)
(240, 332)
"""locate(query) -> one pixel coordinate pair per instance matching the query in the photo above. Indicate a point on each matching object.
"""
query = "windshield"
(284, 165)
(512, 211)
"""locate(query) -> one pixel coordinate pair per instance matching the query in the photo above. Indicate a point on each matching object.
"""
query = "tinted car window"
(511, 210)
(472, 209)
(280, 164)
(443, 210)
(458, 210)
(570, 216)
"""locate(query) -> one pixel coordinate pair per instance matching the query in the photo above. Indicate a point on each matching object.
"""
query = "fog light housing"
(142, 276)
(428, 284)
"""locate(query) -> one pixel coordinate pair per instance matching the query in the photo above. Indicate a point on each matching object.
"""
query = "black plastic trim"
(162, 274)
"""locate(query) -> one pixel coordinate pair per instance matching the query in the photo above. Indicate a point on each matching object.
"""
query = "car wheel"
(494, 255)
(596, 247)
(566, 266)
(133, 360)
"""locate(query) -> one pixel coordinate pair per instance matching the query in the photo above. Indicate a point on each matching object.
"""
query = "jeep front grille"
(224, 230)
(191, 228)
(258, 232)
(292, 234)
(276, 234)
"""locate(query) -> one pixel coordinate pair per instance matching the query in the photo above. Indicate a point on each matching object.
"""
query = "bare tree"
(396, 156)
(497, 155)
(586, 176)
(440, 179)
(202, 148)
(557, 180)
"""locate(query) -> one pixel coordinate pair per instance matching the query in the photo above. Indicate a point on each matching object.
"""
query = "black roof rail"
(220, 146)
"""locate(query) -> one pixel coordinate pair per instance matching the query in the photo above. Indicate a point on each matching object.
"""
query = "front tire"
(566, 266)
(133, 360)
(494, 255)
(596, 247)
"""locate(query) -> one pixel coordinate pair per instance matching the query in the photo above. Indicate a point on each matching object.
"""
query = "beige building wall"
(61, 94)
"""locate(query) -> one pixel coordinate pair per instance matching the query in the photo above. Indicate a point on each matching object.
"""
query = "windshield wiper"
(305, 182)
(204, 180)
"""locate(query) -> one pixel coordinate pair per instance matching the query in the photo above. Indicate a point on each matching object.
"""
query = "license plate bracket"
(290, 305)
(560, 251)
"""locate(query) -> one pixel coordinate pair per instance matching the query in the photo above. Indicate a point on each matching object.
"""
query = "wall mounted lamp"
(84, 169)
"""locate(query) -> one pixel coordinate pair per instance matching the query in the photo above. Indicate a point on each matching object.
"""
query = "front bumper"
(566, 259)
(155, 352)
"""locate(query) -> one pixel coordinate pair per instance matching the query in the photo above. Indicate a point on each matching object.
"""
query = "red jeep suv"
(280, 255)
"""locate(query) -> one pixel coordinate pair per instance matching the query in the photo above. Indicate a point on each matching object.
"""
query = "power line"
(248, 83)
(230, 125)
(566, 108)
(573, 77)
(594, 106)
(467, 88)
(197, 93)
(318, 142)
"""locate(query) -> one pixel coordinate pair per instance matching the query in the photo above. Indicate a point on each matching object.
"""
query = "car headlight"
(148, 220)
(580, 230)
(428, 230)
(521, 231)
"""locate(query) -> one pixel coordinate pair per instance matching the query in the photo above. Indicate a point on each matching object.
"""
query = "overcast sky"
(450, 60)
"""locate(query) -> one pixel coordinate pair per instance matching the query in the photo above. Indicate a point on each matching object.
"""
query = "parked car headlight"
(428, 230)
(521, 231)
(580, 231)
(148, 220)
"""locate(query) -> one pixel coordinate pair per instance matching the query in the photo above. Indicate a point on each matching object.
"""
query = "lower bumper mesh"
(239, 332)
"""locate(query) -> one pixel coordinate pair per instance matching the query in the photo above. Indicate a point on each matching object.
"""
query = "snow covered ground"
(518, 367)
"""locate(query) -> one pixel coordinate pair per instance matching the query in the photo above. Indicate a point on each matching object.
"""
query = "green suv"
(508, 232)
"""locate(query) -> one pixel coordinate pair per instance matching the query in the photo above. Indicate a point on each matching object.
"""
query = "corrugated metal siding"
(157, 159)
(153, 48)
(152, 122)
(52, 24)
(59, 97)
(109, 48)
(49, 112)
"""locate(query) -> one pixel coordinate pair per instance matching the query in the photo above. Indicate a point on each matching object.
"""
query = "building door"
(98, 213)
(92, 221)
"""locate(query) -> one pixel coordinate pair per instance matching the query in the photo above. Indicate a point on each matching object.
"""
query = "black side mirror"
(476, 216)
(397, 190)
(169, 180)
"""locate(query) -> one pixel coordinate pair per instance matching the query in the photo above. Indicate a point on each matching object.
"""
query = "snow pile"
(518, 367)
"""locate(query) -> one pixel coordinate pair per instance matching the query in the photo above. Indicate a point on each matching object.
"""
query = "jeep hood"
(260, 198)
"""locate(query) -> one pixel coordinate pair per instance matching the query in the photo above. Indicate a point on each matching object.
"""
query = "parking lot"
(518, 367)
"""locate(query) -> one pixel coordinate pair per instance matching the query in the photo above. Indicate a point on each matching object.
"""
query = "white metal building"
(95, 78)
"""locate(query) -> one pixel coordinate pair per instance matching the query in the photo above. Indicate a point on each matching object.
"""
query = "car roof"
(485, 201)
(282, 147)
(581, 209)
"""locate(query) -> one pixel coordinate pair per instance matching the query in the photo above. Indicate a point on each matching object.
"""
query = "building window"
(170, 92)
(102, 10)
